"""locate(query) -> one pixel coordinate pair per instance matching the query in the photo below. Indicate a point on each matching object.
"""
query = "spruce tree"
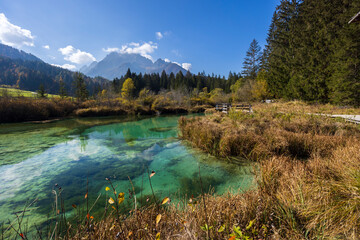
(344, 83)
(62, 89)
(128, 74)
(163, 80)
(41, 92)
(81, 92)
(279, 53)
(251, 62)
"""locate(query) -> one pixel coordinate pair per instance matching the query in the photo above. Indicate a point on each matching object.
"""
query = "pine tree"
(62, 89)
(128, 74)
(171, 81)
(344, 83)
(81, 92)
(41, 92)
(163, 80)
(278, 59)
(310, 75)
(251, 62)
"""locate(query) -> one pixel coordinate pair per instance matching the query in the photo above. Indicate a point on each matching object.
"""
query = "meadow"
(15, 92)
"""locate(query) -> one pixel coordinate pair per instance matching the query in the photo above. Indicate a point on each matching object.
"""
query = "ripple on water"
(69, 157)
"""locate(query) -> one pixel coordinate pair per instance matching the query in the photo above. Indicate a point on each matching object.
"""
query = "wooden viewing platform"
(226, 107)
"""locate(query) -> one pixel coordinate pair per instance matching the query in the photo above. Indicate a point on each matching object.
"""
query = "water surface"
(35, 157)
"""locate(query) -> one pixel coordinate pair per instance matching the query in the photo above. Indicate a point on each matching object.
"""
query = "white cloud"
(76, 56)
(159, 35)
(143, 49)
(135, 48)
(46, 47)
(186, 66)
(13, 35)
(109, 50)
(67, 66)
(134, 44)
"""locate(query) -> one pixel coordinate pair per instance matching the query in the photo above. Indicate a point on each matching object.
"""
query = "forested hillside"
(13, 53)
(29, 75)
(313, 53)
(25, 71)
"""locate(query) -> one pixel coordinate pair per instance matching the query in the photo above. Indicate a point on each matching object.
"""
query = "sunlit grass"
(14, 92)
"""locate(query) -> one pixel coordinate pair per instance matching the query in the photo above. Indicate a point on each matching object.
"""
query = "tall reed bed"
(26, 109)
(21, 109)
(267, 133)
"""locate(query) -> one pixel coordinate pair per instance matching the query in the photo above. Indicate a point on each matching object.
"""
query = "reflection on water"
(35, 157)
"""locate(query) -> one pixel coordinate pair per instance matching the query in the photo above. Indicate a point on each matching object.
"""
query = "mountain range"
(115, 65)
(27, 72)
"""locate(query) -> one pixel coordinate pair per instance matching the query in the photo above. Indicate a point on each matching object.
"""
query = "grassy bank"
(20, 109)
(272, 130)
(26, 109)
(14, 92)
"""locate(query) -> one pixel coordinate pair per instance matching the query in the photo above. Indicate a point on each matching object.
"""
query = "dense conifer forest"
(312, 52)
(156, 82)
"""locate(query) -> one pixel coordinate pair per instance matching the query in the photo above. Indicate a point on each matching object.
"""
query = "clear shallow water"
(35, 157)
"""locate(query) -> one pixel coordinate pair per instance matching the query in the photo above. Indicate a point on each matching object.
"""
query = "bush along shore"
(21, 109)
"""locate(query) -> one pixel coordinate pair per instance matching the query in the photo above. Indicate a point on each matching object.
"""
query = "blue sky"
(207, 35)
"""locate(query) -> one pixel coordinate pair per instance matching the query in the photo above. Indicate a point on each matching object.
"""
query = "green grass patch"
(14, 92)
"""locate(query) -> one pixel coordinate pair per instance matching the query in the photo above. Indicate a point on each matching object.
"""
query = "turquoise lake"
(34, 157)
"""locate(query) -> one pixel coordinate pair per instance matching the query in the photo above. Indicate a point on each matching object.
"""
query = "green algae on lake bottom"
(69, 154)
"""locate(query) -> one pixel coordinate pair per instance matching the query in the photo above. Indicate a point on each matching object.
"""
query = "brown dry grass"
(302, 107)
(316, 199)
(267, 132)
(22, 109)
(25, 109)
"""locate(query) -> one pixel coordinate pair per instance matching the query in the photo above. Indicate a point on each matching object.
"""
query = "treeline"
(313, 53)
(156, 82)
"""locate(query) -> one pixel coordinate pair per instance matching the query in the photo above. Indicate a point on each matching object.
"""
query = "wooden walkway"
(348, 118)
(226, 107)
